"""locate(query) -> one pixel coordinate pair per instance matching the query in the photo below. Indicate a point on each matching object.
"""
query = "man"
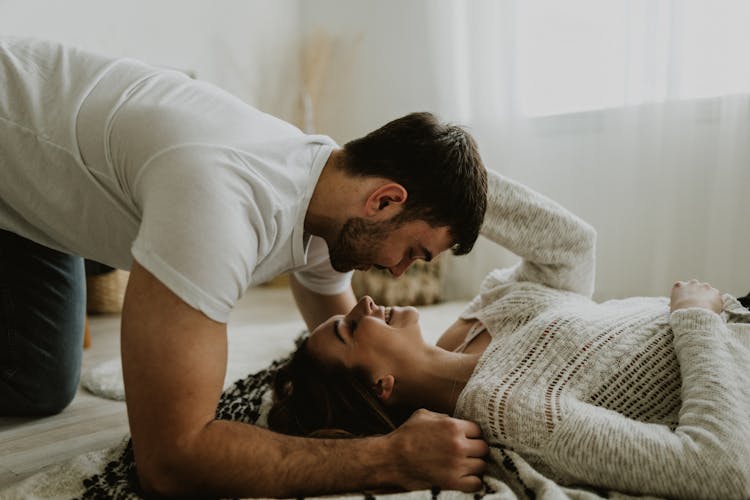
(202, 196)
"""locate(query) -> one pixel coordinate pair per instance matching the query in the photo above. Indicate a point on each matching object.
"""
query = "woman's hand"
(693, 293)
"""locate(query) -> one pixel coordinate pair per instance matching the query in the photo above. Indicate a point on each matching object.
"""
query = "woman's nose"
(368, 305)
(364, 307)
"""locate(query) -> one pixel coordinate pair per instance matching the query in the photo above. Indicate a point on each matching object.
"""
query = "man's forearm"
(235, 459)
(316, 308)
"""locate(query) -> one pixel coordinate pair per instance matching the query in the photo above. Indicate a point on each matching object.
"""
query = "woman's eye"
(352, 325)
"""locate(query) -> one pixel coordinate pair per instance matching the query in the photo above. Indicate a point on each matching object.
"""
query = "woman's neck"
(439, 378)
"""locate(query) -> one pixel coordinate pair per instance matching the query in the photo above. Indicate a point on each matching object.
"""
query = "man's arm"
(316, 308)
(174, 360)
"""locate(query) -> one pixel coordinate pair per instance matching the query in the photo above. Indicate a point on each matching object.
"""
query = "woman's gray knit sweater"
(621, 395)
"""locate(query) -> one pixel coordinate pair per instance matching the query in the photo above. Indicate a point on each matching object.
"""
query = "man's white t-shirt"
(114, 159)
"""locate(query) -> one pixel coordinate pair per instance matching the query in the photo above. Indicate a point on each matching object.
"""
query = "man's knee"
(59, 393)
(41, 366)
(42, 313)
(38, 387)
(52, 398)
(40, 369)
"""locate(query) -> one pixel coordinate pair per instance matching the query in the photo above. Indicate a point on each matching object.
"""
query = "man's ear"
(387, 199)
(384, 387)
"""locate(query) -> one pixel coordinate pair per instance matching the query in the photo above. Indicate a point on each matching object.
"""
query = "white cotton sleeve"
(198, 234)
(318, 275)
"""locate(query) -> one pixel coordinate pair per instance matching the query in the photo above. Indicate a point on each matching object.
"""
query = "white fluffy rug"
(105, 380)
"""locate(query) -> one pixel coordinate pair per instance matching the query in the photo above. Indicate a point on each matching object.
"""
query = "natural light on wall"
(630, 51)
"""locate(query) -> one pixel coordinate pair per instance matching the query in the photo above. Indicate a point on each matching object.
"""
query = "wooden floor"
(90, 422)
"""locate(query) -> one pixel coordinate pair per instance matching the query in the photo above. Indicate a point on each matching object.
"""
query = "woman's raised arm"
(557, 247)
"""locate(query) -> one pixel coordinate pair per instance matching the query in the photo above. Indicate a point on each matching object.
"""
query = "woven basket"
(420, 285)
(106, 292)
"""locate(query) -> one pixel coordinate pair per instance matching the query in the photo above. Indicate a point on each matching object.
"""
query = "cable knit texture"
(619, 395)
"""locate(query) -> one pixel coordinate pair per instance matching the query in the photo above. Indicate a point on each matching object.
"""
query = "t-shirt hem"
(327, 289)
(180, 285)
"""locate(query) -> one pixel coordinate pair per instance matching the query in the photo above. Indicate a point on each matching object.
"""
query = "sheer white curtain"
(635, 114)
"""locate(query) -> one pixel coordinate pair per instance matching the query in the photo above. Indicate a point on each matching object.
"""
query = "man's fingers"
(475, 444)
(471, 480)
(475, 466)
(469, 484)
(470, 429)
(441, 450)
(476, 448)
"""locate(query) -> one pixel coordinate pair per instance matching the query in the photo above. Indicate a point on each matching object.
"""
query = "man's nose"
(400, 268)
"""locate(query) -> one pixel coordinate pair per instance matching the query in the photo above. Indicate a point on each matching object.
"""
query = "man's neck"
(328, 202)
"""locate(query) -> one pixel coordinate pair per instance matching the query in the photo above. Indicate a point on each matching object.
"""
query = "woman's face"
(372, 337)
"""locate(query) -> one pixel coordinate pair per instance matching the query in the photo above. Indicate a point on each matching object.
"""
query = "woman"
(642, 395)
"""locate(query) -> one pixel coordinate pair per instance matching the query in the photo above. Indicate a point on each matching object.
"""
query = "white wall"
(248, 47)
(380, 68)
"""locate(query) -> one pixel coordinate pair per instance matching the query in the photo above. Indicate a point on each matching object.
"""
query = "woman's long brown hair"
(311, 399)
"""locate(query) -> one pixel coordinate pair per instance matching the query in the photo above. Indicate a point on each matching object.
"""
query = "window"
(581, 55)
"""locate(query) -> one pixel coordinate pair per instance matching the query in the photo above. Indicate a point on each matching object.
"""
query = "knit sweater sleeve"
(557, 248)
(707, 455)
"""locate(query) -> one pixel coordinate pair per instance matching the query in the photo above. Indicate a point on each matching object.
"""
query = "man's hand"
(693, 293)
(433, 449)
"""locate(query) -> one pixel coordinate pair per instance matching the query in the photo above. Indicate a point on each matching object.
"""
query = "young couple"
(642, 395)
(202, 196)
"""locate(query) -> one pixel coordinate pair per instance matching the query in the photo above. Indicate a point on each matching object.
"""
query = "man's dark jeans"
(42, 314)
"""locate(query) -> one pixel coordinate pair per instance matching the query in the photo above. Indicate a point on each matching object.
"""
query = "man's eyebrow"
(336, 330)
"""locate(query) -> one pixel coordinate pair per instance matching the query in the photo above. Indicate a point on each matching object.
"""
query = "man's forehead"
(421, 227)
(436, 239)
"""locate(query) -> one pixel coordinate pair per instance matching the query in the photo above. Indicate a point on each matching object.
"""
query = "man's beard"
(359, 242)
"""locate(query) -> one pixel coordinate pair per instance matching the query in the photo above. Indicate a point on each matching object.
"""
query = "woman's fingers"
(693, 293)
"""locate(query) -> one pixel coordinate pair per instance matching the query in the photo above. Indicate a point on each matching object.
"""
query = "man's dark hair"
(437, 163)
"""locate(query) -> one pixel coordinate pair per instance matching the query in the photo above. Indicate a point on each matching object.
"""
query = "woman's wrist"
(694, 319)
